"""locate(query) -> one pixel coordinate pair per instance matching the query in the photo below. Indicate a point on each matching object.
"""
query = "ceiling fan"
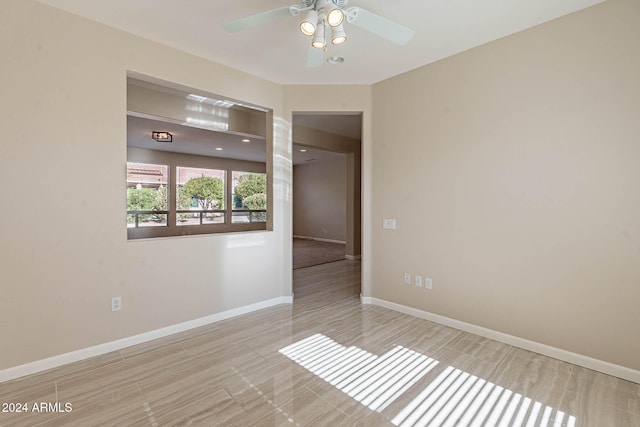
(323, 20)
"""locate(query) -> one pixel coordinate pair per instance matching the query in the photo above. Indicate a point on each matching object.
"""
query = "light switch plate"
(407, 278)
(389, 223)
(418, 280)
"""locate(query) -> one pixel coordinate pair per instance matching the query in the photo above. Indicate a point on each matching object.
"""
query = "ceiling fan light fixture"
(318, 44)
(308, 26)
(338, 36)
(318, 38)
(335, 17)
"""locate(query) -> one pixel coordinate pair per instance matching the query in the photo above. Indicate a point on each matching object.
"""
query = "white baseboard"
(85, 353)
(557, 353)
(286, 300)
(366, 300)
(353, 257)
(319, 239)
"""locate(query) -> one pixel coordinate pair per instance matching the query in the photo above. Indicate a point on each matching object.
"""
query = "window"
(200, 196)
(207, 175)
(146, 195)
(249, 197)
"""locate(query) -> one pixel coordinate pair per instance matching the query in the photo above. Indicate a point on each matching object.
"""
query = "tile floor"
(325, 361)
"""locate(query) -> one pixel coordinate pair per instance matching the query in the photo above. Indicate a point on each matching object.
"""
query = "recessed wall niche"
(208, 171)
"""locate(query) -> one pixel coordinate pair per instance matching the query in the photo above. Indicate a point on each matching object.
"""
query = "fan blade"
(315, 57)
(258, 19)
(376, 24)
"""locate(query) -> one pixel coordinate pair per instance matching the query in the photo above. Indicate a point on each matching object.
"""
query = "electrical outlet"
(407, 278)
(428, 283)
(418, 280)
(116, 303)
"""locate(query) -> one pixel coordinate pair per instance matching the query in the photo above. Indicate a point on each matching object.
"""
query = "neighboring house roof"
(153, 175)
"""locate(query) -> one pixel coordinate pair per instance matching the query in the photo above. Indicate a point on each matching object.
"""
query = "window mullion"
(228, 195)
(172, 203)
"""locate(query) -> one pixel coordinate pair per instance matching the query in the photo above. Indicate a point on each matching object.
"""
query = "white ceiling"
(203, 142)
(197, 138)
(193, 140)
(277, 51)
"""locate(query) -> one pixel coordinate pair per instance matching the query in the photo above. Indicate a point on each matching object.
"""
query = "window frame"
(136, 213)
(199, 210)
(249, 212)
(174, 160)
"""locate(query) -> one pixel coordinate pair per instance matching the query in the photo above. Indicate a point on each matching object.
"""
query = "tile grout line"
(269, 401)
(566, 386)
(326, 401)
(183, 349)
(147, 407)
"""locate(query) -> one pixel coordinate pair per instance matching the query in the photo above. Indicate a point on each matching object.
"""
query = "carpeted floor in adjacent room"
(308, 252)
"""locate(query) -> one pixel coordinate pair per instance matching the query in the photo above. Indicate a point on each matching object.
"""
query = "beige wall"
(512, 170)
(353, 150)
(320, 199)
(64, 250)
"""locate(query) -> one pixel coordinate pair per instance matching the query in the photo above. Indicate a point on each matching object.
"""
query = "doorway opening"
(326, 187)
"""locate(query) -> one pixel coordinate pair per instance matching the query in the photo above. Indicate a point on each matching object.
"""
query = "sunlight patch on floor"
(454, 398)
(374, 381)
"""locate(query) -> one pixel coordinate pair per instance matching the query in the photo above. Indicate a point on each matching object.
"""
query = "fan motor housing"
(339, 3)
